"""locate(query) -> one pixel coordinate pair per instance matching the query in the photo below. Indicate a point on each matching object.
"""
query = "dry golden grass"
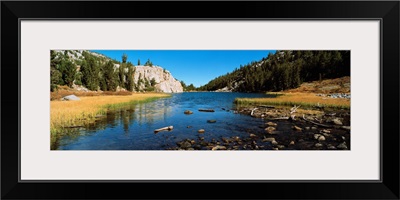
(304, 99)
(337, 85)
(73, 113)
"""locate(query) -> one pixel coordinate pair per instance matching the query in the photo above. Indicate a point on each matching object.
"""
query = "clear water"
(133, 129)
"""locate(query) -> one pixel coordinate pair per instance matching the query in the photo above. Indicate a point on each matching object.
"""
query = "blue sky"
(192, 66)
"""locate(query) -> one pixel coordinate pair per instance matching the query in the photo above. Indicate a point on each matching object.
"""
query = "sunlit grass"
(77, 113)
(303, 99)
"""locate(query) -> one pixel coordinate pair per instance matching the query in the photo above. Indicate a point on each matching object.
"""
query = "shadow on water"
(133, 128)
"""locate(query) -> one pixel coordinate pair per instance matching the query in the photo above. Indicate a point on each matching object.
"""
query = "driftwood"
(252, 112)
(168, 128)
(318, 124)
(206, 110)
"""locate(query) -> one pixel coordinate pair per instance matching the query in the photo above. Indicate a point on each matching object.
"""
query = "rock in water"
(271, 124)
(253, 135)
(270, 130)
(318, 145)
(218, 148)
(297, 128)
(211, 121)
(201, 131)
(337, 121)
(188, 112)
(268, 139)
(321, 138)
(71, 98)
(342, 146)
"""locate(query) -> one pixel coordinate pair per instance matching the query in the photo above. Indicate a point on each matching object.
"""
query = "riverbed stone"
(271, 124)
(201, 131)
(253, 135)
(268, 139)
(318, 145)
(270, 130)
(321, 138)
(316, 136)
(325, 131)
(342, 146)
(274, 142)
(280, 146)
(291, 143)
(218, 147)
(307, 128)
(185, 145)
(188, 112)
(331, 147)
(211, 121)
(314, 128)
(337, 121)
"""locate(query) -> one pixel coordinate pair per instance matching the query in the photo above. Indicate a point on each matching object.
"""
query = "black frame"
(386, 11)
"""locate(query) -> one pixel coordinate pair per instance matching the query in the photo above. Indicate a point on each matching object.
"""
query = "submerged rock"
(211, 121)
(318, 145)
(201, 131)
(188, 112)
(342, 146)
(270, 130)
(271, 124)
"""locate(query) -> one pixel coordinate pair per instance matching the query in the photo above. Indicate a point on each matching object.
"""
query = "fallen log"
(168, 128)
(206, 110)
(266, 106)
(318, 124)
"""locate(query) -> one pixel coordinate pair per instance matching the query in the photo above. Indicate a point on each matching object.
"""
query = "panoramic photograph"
(201, 100)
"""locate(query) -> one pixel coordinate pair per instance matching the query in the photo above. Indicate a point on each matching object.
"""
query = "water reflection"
(133, 128)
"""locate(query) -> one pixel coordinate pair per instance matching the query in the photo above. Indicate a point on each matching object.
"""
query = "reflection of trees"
(144, 113)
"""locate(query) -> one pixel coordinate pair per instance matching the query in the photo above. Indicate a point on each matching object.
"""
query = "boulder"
(71, 98)
(201, 131)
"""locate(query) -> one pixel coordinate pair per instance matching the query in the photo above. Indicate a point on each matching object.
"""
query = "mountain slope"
(283, 70)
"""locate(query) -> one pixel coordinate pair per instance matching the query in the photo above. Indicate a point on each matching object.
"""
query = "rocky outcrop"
(156, 77)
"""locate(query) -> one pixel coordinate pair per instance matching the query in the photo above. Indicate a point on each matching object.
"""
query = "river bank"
(318, 130)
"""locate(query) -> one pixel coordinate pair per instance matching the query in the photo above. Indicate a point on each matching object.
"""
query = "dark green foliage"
(148, 63)
(78, 78)
(90, 70)
(110, 77)
(124, 58)
(138, 62)
(153, 82)
(284, 70)
(129, 82)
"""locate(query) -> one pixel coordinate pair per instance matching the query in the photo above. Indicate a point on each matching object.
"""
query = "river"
(133, 128)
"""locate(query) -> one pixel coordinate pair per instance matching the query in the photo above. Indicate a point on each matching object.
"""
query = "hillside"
(283, 70)
(89, 71)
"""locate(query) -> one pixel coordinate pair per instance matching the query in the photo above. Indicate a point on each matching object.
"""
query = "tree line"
(284, 70)
(95, 72)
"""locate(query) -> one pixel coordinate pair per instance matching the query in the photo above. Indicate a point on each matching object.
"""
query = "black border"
(387, 11)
